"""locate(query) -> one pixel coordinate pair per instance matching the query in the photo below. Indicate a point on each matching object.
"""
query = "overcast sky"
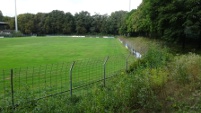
(93, 6)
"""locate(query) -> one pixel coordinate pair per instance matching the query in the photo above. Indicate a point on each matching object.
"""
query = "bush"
(187, 68)
(126, 93)
(155, 57)
(17, 34)
(14, 34)
(143, 93)
(158, 78)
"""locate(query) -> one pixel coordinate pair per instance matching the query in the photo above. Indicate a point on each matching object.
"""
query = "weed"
(187, 68)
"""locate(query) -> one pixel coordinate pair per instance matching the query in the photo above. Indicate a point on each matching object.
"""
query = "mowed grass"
(42, 64)
(35, 51)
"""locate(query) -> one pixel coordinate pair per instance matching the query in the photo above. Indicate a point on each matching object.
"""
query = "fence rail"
(47, 80)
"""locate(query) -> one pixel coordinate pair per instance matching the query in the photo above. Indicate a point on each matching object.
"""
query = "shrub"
(143, 94)
(136, 64)
(17, 34)
(155, 57)
(14, 34)
(158, 78)
(187, 68)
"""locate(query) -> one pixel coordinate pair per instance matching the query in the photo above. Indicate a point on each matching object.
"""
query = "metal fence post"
(70, 77)
(127, 61)
(104, 70)
(12, 89)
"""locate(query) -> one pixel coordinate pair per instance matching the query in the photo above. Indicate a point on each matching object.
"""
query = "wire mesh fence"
(32, 83)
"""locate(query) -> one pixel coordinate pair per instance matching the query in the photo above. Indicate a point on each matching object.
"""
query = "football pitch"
(35, 51)
(53, 65)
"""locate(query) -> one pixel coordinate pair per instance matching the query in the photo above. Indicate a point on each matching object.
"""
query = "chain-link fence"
(33, 83)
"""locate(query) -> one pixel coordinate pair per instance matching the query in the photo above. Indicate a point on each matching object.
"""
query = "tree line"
(58, 22)
(177, 21)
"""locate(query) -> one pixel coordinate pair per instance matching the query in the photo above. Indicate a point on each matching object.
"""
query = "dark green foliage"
(68, 25)
(58, 22)
(1, 16)
(115, 22)
(137, 64)
(26, 23)
(154, 58)
(82, 22)
(16, 34)
(173, 20)
(53, 23)
(10, 21)
(187, 68)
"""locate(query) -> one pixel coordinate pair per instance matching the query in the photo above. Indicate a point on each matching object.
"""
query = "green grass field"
(23, 52)
(42, 65)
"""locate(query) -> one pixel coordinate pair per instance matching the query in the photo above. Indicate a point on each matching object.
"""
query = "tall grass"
(187, 68)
